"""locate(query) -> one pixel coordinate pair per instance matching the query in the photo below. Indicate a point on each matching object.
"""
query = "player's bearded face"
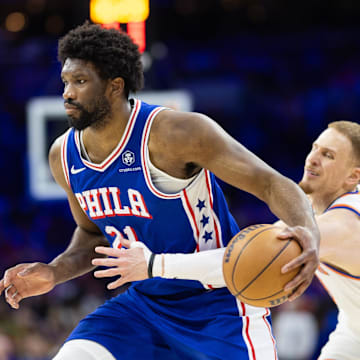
(93, 114)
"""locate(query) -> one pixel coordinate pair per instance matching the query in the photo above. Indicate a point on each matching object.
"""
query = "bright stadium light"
(122, 11)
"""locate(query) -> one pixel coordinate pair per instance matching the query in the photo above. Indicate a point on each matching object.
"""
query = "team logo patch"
(128, 157)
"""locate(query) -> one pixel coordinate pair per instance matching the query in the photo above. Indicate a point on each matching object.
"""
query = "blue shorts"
(200, 325)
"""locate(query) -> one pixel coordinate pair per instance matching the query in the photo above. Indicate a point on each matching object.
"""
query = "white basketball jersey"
(343, 287)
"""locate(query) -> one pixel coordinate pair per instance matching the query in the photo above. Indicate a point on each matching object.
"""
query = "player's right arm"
(339, 239)
(26, 280)
(339, 243)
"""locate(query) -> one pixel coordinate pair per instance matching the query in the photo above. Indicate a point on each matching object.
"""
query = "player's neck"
(100, 142)
(321, 202)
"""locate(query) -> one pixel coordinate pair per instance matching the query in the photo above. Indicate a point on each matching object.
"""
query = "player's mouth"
(70, 108)
(311, 173)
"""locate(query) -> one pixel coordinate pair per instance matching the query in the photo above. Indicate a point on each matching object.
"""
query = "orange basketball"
(252, 265)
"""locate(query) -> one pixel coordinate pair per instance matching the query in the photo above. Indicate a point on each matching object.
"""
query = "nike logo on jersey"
(76, 171)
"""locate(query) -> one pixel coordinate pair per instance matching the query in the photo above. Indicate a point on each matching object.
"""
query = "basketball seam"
(262, 271)
(243, 249)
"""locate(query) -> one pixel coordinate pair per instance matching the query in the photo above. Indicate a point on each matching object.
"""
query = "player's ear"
(354, 177)
(117, 86)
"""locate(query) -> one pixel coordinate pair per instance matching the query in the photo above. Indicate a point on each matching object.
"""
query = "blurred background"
(272, 73)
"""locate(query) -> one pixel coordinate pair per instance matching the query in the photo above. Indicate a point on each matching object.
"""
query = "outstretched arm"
(26, 280)
(339, 244)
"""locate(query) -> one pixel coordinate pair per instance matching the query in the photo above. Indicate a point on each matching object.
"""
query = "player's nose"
(313, 158)
(69, 92)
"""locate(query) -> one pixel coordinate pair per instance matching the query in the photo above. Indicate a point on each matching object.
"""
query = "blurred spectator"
(6, 347)
(296, 330)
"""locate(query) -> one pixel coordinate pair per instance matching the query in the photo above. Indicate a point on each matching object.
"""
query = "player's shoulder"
(56, 146)
(176, 125)
(349, 201)
(55, 157)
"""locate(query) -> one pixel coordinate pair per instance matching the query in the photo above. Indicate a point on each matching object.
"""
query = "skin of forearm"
(76, 259)
(288, 202)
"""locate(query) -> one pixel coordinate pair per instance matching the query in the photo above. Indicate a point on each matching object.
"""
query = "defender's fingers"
(109, 251)
(126, 243)
(107, 273)
(105, 262)
(119, 282)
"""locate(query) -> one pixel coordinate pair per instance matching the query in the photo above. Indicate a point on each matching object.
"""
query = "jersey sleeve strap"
(64, 161)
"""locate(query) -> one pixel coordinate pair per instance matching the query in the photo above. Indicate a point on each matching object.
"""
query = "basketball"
(252, 265)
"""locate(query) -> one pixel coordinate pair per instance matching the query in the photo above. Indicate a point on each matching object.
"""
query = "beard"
(96, 116)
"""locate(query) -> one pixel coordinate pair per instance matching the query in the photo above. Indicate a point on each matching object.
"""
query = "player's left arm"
(340, 241)
(195, 139)
(192, 138)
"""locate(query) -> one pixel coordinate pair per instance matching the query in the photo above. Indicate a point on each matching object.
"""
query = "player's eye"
(81, 81)
(329, 155)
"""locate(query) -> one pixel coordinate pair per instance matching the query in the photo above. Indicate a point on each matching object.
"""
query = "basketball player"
(134, 171)
(331, 178)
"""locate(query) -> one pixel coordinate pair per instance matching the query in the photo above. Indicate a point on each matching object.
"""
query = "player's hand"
(308, 260)
(26, 280)
(130, 263)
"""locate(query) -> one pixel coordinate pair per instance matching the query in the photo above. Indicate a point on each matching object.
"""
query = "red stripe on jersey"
(77, 140)
(192, 213)
(271, 335)
(209, 187)
(243, 308)
(217, 234)
(247, 320)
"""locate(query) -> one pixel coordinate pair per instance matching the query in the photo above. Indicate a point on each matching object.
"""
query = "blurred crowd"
(273, 92)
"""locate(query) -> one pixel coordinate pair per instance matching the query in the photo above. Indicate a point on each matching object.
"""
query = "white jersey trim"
(348, 201)
(256, 332)
(64, 162)
(119, 148)
(145, 161)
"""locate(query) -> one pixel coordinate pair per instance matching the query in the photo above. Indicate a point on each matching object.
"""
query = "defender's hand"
(26, 280)
(130, 263)
(308, 260)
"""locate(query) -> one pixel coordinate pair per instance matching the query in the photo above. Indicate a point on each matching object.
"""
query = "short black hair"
(112, 52)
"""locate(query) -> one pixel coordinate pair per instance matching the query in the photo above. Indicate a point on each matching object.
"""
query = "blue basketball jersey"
(119, 197)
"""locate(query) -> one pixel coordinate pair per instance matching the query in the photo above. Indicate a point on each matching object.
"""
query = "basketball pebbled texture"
(252, 265)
